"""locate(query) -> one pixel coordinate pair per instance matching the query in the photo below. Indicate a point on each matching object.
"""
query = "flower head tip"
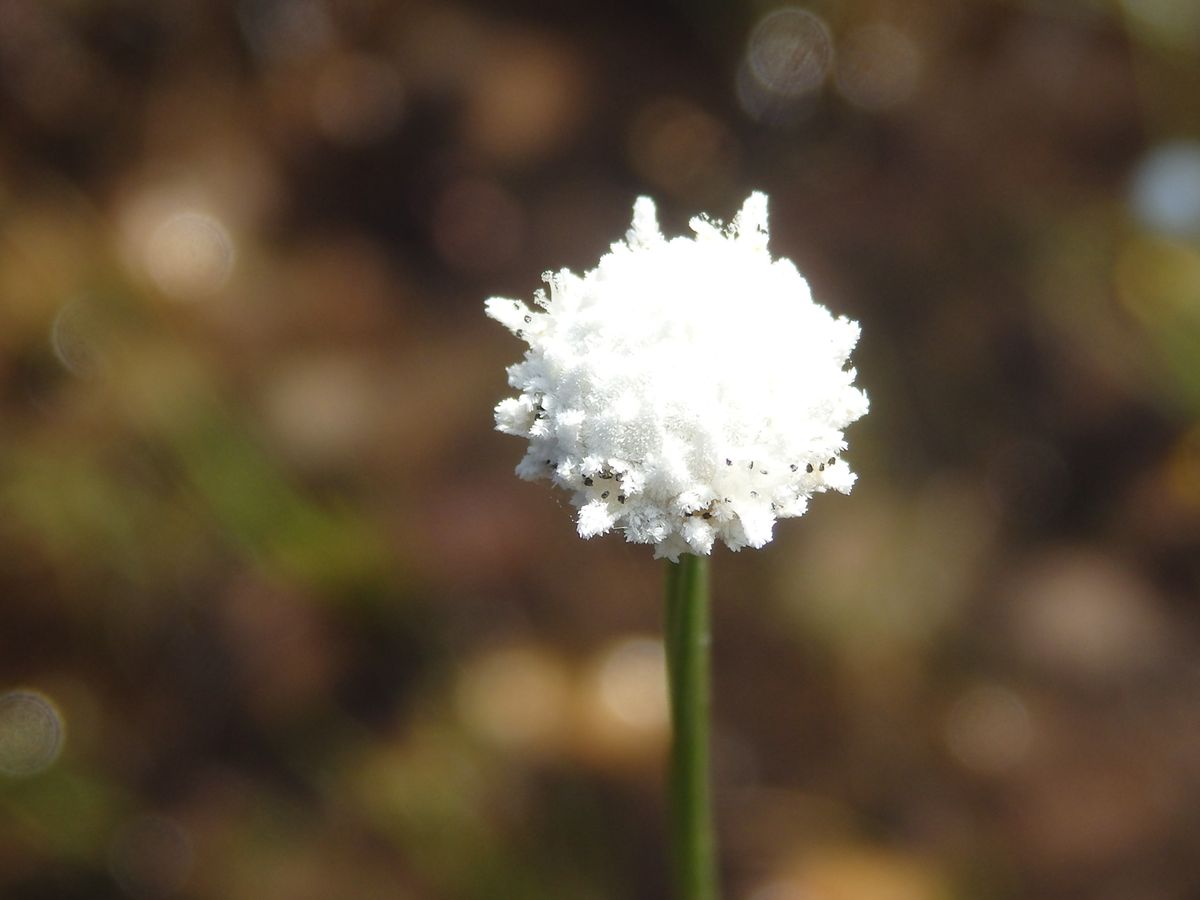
(684, 390)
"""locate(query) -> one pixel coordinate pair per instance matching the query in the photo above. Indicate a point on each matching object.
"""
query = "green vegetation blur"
(278, 621)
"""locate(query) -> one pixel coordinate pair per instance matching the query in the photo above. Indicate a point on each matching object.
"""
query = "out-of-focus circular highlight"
(790, 51)
(623, 718)
(631, 680)
(189, 254)
(877, 67)
(788, 56)
(677, 146)
(517, 697)
(75, 339)
(852, 872)
(989, 729)
(1165, 191)
(32, 731)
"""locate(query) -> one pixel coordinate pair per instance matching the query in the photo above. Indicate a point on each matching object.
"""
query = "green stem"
(693, 849)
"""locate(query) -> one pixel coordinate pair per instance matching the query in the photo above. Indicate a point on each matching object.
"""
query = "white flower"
(683, 390)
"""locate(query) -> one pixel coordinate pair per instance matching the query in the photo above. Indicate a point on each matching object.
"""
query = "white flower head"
(684, 390)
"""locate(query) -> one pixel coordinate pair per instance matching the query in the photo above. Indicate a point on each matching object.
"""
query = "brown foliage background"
(276, 620)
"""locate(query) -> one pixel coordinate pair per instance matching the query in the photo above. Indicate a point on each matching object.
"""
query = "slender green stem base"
(693, 849)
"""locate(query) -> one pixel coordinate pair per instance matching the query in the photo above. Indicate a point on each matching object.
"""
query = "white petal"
(512, 314)
(594, 518)
(644, 231)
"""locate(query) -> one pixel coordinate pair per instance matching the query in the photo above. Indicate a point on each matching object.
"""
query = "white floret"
(684, 390)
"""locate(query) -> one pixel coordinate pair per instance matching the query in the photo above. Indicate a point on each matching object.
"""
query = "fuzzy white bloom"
(684, 390)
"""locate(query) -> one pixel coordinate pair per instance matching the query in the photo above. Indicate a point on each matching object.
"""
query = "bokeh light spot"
(877, 67)
(1165, 191)
(321, 408)
(632, 683)
(790, 51)
(74, 339)
(852, 872)
(518, 697)
(32, 731)
(527, 100)
(988, 729)
(1083, 614)
(678, 146)
(189, 255)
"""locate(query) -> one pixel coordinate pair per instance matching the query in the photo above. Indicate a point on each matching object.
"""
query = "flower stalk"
(685, 391)
(687, 640)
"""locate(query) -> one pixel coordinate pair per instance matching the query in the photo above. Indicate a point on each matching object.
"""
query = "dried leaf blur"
(277, 621)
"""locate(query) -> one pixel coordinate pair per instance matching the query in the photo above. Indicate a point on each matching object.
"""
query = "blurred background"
(277, 620)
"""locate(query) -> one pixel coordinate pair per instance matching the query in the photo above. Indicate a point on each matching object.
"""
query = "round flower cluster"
(684, 390)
